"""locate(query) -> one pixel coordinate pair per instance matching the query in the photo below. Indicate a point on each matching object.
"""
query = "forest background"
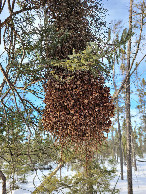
(12, 135)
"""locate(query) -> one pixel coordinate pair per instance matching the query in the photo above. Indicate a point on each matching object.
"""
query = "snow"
(35, 178)
(139, 179)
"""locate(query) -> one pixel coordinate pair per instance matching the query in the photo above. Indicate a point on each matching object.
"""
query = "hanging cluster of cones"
(78, 108)
(78, 105)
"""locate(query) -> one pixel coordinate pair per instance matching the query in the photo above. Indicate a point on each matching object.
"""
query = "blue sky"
(117, 10)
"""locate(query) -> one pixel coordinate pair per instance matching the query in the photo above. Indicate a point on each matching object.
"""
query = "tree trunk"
(60, 173)
(113, 147)
(120, 142)
(90, 187)
(2, 176)
(119, 129)
(89, 176)
(133, 151)
(128, 123)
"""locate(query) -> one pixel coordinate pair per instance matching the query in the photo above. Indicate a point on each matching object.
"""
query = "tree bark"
(3, 182)
(128, 123)
(113, 146)
(133, 151)
(119, 129)
(120, 142)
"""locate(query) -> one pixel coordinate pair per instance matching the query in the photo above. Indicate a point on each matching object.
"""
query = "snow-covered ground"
(139, 179)
(35, 178)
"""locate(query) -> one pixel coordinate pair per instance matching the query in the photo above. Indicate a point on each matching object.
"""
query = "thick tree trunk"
(128, 123)
(2, 176)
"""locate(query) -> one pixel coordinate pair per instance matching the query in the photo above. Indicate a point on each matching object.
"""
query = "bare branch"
(33, 106)
(23, 55)
(124, 81)
(137, 64)
(13, 3)
(49, 177)
(2, 6)
(1, 86)
(17, 12)
(5, 106)
(9, 7)
(140, 35)
(10, 84)
(29, 84)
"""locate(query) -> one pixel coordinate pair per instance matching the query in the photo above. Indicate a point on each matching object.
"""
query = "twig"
(17, 12)
(50, 176)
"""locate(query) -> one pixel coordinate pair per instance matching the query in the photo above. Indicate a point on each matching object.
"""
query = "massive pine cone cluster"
(78, 108)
